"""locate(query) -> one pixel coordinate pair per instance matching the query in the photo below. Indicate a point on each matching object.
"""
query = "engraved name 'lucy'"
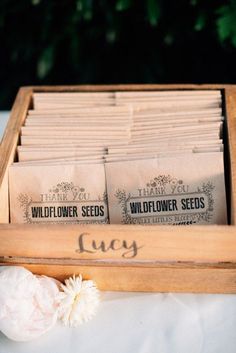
(130, 250)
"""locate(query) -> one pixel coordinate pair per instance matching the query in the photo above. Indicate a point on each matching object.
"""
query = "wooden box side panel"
(198, 259)
(128, 87)
(146, 279)
(230, 106)
(120, 243)
(9, 144)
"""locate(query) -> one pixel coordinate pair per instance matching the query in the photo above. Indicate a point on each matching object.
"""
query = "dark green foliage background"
(115, 41)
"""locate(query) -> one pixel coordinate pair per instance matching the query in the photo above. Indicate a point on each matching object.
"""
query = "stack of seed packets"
(153, 157)
(60, 176)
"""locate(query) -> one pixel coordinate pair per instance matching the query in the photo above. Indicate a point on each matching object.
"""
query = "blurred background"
(115, 41)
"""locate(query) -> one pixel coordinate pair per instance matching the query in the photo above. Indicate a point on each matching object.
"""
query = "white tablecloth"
(144, 323)
(3, 122)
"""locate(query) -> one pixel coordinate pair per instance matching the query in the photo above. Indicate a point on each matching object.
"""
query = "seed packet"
(58, 194)
(188, 189)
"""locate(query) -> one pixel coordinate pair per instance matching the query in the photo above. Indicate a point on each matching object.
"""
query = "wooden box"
(124, 257)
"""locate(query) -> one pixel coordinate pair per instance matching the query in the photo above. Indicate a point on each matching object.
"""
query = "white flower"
(78, 301)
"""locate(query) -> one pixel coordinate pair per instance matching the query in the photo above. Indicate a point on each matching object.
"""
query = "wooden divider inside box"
(124, 257)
